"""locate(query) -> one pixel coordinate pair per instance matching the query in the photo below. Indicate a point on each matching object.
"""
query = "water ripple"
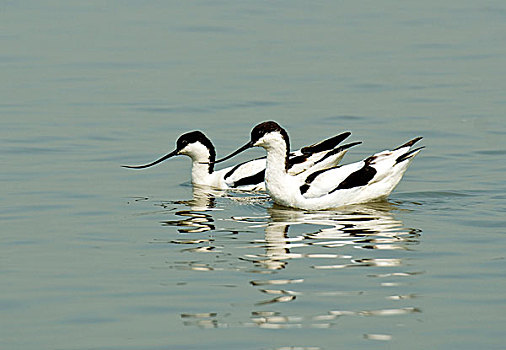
(304, 255)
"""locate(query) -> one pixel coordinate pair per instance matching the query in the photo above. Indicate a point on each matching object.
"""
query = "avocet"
(371, 179)
(250, 175)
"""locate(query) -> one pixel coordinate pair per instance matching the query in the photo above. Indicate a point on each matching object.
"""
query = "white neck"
(276, 161)
(200, 173)
(200, 158)
(276, 177)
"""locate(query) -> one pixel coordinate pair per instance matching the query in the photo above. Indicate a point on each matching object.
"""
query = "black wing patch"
(297, 160)
(409, 143)
(407, 155)
(337, 150)
(250, 180)
(358, 178)
(303, 189)
(227, 175)
(325, 145)
(305, 155)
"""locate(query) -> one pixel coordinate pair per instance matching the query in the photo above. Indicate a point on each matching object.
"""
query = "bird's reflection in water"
(368, 237)
(366, 227)
(328, 236)
(197, 218)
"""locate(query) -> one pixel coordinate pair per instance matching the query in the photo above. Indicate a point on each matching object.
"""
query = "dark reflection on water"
(297, 260)
(195, 222)
(197, 218)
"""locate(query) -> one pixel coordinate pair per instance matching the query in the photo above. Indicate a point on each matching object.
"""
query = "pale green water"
(94, 256)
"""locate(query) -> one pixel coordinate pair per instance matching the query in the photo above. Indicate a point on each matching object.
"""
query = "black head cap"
(265, 128)
(270, 126)
(197, 136)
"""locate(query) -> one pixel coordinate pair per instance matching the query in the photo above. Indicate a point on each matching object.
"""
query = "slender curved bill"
(165, 157)
(242, 149)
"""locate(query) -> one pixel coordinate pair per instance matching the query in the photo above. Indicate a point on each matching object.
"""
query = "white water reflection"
(364, 227)
(310, 248)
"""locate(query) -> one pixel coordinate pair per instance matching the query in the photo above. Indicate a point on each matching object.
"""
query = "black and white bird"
(371, 179)
(250, 175)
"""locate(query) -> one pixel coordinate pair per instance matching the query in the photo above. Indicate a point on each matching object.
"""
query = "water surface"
(95, 256)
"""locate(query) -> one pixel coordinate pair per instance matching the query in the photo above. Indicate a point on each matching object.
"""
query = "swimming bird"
(249, 175)
(371, 179)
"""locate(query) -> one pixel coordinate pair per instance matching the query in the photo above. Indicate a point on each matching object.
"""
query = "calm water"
(94, 256)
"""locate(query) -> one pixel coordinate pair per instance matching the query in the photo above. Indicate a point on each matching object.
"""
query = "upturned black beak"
(243, 148)
(165, 157)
